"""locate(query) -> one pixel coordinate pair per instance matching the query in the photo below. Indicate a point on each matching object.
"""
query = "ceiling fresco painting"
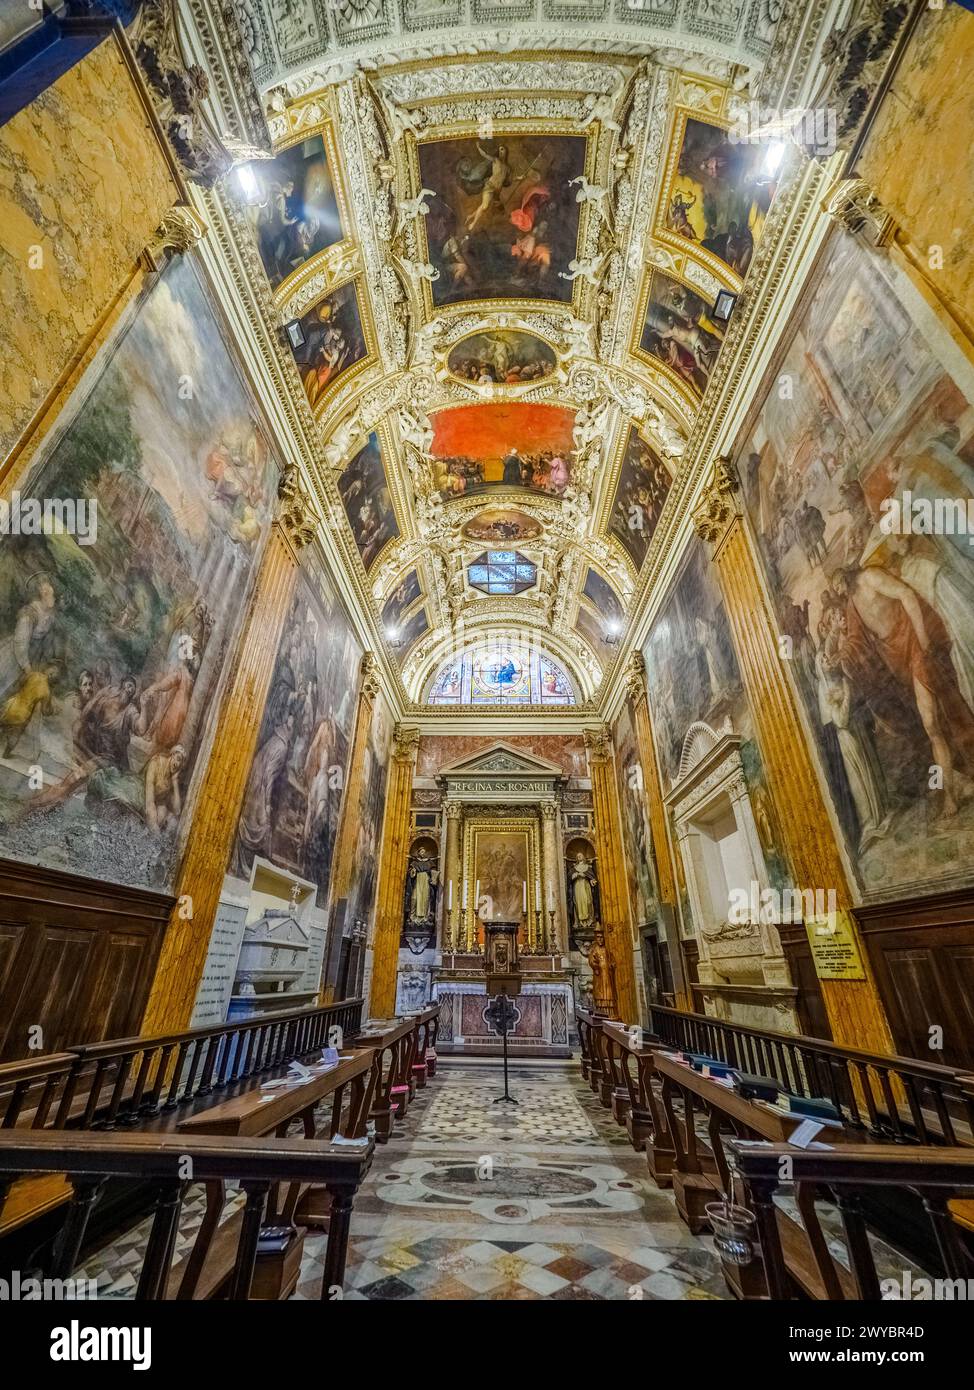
(720, 194)
(503, 262)
(680, 331)
(643, 486)
(506, 357)
(297, 215)
(400, 601)
(501, 524)
(364, 490)
(480, 447)
(503, 221)
(334, 342)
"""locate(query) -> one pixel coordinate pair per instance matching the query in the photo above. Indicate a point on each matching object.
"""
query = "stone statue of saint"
(583, 900)
(424, 876)
(599, 966)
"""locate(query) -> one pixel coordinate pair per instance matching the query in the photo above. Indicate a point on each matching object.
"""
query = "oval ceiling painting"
(502, 524)
(502, 357)
(477, 448)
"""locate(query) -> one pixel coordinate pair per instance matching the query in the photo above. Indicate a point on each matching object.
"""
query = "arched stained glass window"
(501, 671)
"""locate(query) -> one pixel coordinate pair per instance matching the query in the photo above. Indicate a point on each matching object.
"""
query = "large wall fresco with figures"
(113, 643)
(297, 778)
(878, 616)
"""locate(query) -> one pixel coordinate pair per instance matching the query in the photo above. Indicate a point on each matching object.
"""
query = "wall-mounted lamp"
(724, 306)
(294, 333)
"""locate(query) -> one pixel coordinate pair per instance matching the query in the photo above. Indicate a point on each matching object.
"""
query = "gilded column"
(392, 874)
(214, 824)
(549, 858)
(345, 841)
(854, 1007)
(612, 876)
(658, 828)
(452, 875)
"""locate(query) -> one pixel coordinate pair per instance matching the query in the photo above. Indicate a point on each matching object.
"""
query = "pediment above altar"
(501, 770)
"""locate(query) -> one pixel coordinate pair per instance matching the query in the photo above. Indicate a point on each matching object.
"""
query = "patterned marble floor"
(476, 1200)
(545, 1199)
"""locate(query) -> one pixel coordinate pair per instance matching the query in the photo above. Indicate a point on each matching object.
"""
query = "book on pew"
(718, 1070)
(274, 1240)
(816, 1107)
(699, 1060)
(754, 1087)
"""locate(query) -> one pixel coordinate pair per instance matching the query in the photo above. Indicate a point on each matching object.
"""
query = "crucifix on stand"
(503, 978)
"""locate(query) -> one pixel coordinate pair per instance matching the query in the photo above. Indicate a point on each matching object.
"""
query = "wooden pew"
(696, 1183)
(260, 1165)
(849, 1172)
(393, 1044)
(645, 1118)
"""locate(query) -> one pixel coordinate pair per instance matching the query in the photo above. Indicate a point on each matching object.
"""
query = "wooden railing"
(895, 1098)
(261, 1166)
(941, 1177)
(129, 1081)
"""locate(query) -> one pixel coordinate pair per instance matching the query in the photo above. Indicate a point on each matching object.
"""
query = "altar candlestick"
(537, 895)
(449, 896)
(524, 896)
(464, 895)
(551, 898)
(476, 898)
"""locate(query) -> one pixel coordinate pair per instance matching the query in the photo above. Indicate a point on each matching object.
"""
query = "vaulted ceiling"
(504, 274)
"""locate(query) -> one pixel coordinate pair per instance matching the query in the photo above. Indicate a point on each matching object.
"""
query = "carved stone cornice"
(296, 516)
(180, 229)
(598, 743)
(856, 59)
(719, 506)
(405, 743)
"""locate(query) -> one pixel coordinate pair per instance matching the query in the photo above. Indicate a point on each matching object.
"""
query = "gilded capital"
(598, 743)
(549, 809)
(405, 743)
(719, 506)
(453, 809)
(295, 515)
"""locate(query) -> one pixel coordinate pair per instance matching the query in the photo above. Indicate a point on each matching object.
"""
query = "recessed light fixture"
(724, 306)
(613, 631)
(394, 636)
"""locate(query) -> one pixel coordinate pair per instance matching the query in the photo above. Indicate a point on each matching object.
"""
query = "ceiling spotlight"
(248, 183)
(394, 636)
(613, 631)
(724, 306)
(295, 333)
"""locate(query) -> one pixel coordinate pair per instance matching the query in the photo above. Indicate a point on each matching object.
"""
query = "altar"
(542, 1015)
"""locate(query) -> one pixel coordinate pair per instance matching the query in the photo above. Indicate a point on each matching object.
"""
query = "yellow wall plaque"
(835, 949)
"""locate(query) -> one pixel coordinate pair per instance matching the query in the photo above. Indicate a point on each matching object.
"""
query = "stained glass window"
(502, 572)
(501, 671)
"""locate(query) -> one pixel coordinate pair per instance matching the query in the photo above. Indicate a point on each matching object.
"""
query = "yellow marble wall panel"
(917, 156)
(84, 182)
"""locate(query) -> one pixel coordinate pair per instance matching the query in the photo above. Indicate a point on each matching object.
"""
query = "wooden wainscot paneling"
(922, 954)
(76, 958)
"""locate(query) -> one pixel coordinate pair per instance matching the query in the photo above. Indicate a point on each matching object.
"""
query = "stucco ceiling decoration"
(506, 218)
